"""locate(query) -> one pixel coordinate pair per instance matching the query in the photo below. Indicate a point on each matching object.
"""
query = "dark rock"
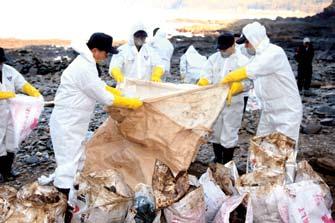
(316, 84)
(31, 160)
(311, 128)
(327, 122)
(325, 111)
(327, 164)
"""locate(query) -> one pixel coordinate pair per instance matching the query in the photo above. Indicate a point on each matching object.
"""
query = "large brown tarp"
(170, 126)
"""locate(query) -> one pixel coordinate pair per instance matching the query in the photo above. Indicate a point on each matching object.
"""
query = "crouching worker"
(227, 125)
(10, 82)
(75, 100)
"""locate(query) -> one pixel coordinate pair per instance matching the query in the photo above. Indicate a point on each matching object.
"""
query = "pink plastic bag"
(25, 112)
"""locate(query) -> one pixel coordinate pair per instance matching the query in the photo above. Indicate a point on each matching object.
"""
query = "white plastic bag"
(303, 202)
(25, 112)
(231, 204)
(214, 196)
(190, 209)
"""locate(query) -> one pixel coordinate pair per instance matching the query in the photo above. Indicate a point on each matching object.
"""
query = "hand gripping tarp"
(170, 126)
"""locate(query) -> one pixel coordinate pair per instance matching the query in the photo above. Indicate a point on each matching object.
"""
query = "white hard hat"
(306, 40)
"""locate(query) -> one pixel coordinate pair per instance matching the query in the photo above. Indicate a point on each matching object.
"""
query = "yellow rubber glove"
(30, 90)
(203, 82)
(6, 95)
(124, 102)
(236, 75)
(157, 73)
(113, 91)
(116, 73)
(235, 88)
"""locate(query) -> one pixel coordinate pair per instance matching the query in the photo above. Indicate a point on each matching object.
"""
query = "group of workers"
(250, 61)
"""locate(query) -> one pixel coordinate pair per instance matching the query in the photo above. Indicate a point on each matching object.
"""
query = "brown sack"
(35, 203)
(103, 197)
(168, 189)
(169, 128)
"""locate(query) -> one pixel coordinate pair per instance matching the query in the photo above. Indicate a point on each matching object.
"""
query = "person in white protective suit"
(10, 82)
(191, 64)
(163, 47)
(75, 101)
(137, 59)
(226, 127)
(274, 82)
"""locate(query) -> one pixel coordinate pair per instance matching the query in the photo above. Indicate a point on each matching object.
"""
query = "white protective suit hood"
(81, 48)
(160, 34)
(256, 35)
(136, 27)
(193, 56)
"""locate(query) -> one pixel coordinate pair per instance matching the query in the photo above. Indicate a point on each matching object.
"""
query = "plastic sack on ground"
(7, 199)
(235, 209)
(144, 204)
(214, 196)
(307, 200)
(25, 112)
(275, 151)
(35, 203)
(262, 185)
(102, 196)
(190, 209)
(218, 183)
(131, 217)
(170, 126)
(167, 188)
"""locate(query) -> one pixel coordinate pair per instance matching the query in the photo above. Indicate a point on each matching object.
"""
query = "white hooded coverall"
(12, 81)
(164, 48)
(75, 100)
(228, 123)
(191, 64)
(275, 85)
(136, 64)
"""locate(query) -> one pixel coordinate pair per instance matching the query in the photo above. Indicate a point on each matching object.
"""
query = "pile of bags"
(220, 195)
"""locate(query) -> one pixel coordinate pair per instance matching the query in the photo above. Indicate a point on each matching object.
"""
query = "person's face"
(139, 41)
(306, 44)
(248, 45)
(228, 52)
(99, 55)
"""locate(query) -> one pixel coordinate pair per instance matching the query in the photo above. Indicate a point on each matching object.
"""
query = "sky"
(78, 19)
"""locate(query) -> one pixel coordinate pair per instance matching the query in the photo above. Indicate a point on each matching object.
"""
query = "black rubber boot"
(218, 152)
(228, 154)
(69, 210)
(6, 167)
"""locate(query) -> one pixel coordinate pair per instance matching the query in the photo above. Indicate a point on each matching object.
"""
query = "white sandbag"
(240, 203)
(190, 209)
(303, 202)
(214, 196)
(25, 112)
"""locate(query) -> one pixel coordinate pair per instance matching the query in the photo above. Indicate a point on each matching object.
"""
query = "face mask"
(225, 54)
(139, 42)
(251, 51)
